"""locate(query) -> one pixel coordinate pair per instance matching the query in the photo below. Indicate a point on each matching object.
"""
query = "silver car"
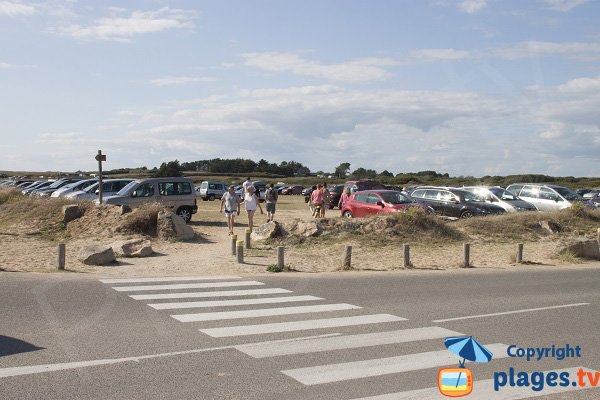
(545, 197)
(502, 197)
(109, 187)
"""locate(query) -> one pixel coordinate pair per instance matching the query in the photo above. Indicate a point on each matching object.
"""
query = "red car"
(373, 202)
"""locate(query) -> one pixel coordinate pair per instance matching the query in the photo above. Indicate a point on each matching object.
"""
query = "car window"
(203, 185)
(212, 186)
(174, 188)
(126, 188)
(373, 198)
(432, 194)
(145, 190)
(395, 198)
(548, 194)
(418, 193)
(567, 194)
(361, 197)
(446, 196)
(470, 196)
(530, 191)
(503, 194)
(515, 189)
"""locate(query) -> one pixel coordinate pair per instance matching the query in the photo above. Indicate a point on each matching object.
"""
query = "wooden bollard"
(233, 242)
(240, 252)
(61, 256)
(280, 258)
(347, 261)
(407, 263)
(467, 253)
(519, 252)
(247, 238)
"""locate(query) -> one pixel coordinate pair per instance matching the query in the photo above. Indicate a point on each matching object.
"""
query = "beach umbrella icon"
(469, 349)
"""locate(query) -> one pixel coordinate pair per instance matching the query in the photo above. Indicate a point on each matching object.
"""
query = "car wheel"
(211, 197)
(466, 214)
(185, 213)
(347, 214)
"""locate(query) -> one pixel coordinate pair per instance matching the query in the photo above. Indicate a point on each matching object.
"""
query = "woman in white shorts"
(231, 202)
(251, 202)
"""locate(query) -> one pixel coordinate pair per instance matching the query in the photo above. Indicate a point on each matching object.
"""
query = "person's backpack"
(271, 195)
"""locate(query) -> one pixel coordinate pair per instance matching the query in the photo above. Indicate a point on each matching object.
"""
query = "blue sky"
(473, 87)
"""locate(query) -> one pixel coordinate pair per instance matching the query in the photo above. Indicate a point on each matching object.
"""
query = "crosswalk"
(303, 315)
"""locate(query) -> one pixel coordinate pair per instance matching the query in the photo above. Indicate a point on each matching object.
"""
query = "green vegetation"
(274, 268)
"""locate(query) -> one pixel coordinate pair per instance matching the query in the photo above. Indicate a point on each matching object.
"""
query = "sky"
(465, 87)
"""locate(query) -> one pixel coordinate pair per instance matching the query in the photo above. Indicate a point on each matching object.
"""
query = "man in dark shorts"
(271, 201)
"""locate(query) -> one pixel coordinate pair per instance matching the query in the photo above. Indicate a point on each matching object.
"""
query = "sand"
(211, 252)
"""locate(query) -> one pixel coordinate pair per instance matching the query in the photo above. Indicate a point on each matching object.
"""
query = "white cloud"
(13, 9)
(4, 65)
(581, 86)
(439, 54)
(539, 48)
(563, 5)
(362, 70)
(125, 28)
(472, 6)
(180, 80)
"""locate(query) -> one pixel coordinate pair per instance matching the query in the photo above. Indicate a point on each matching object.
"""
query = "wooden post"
(467, 253)
(407, 263)
(519, 252)
(598, 235)
(100, 157)
(240, 252)
(61, 256)
(280, 258)
(347, 260)
(247, 238)
(233, 242)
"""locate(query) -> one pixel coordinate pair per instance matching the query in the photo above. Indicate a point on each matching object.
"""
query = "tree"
(386, 174)
(172, 168)
(341, 171)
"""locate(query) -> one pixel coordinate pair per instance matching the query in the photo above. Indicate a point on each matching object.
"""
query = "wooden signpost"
(100, 157)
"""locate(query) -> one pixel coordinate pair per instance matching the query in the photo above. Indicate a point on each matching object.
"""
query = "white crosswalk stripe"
(228, 303)
(222, 293)
(168, 279)
(186, 286)
(286, 349)
(381, 366)
(279, 327)
(484, 389)
(282, 348)
(265, 312)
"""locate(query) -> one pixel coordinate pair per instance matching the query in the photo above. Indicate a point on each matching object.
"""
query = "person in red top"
(316, 198)
(344, 198)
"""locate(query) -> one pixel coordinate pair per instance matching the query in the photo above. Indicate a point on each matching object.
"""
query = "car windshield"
(503, 194)
(567, 194)
(395, 198)
(123, 192)
(55, 184)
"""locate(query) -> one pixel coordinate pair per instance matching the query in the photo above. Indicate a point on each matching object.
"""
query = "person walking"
(326, 199)
(344, 197)
(271, 198)
(231, 202)
(247, 183)
(316, 198)
(250, 203)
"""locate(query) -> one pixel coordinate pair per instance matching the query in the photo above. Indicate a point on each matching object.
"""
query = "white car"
(109, 188)
(73, 187)
(502, 197)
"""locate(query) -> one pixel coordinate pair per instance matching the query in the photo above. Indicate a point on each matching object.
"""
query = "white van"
(545, 197)
(176, 194)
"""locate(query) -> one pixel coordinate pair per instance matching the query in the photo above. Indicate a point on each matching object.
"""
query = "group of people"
(319, 200)
(231, 204)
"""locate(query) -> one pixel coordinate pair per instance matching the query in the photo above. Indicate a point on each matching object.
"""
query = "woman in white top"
(251, 202)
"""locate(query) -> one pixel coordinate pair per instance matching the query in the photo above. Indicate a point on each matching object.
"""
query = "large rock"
(580, 248)
(308, 229)
(133, 248)
(71, 212)
(171, 226)
(97, 255)
(265, 231)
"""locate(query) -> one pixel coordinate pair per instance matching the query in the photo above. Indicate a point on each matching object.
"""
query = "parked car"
(356, 186)
(73, 187)
(176, 194)
(259, 191)
(211, 190)
(373, 202)
(296, 190)
(335, 192)
(455, 203)
(109, 187)
(591, 194)
(39, 185)
(545, 197)
(307, 191)
(47, 191)
(501, 197)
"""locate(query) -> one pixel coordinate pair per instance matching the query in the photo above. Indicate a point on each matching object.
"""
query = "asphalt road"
(71, 336)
